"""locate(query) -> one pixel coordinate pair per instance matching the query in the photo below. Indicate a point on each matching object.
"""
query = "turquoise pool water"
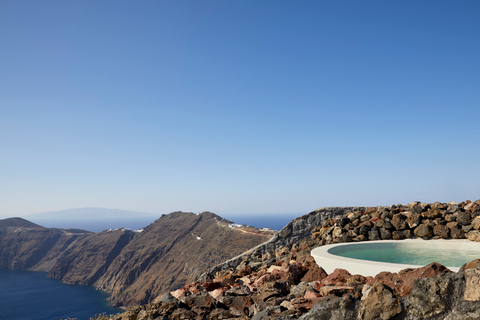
(415, 256)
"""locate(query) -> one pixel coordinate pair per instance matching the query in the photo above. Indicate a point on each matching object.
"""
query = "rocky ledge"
(280, 280)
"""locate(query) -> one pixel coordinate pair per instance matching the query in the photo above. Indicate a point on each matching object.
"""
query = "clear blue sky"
(237, 106)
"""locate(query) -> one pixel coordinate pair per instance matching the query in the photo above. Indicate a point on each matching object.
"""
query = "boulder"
(385, 234)
(452, 207)
(398, 222)
(338, 275)
(403, 281)
(463, 218)
(314, 273)
(441, 231)
(476, 223)
(373, 235)
(381, 302)
(428, 298)
(423, 231)
(472, 285)
(414, 220)
(473, 235)
(332, 308)
(470, 265)
(398, 235)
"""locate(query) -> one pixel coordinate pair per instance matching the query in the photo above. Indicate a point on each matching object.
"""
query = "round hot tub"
(372, 257)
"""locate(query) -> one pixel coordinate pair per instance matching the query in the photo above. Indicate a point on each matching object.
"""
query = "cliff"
(133, 266)
(280, 280)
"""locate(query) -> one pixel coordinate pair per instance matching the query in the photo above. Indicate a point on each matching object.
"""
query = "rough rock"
(423, 231)
(381, 302)
(473, 235)
(472, 285)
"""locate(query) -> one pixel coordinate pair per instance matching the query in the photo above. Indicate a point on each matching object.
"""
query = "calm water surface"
(28, 295)
(416, 256)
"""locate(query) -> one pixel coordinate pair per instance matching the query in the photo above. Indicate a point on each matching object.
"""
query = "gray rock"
(462, 218)
(380, 302)
(428, 298)
(373, 235)
(332, 308)
(423, 230)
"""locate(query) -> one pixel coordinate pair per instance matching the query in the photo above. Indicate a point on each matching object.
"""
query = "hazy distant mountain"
(18, 222)
(90, 214)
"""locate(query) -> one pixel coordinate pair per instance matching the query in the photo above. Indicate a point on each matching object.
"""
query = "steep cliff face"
(26, 248)
(86, 260)
(171, 252)
(134, 267)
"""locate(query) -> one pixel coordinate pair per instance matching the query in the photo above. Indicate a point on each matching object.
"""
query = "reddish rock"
(295, 269)
(314, 273)
(217, 293)
(194, 287)
(264, 279)
(375, 219)
(338, 275)
(402, 282)
(311, 294)
(180, 293)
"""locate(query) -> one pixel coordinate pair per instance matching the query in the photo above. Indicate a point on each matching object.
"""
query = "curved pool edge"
(329, 262)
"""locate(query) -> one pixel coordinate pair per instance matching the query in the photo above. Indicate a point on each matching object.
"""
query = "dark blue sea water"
(28, 295)
(31, 296)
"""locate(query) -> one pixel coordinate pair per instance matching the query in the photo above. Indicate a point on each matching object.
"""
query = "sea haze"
(95, 225)
(272, 221)
(28, 295)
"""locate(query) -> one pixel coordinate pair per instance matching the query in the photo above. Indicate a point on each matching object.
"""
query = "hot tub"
(372, 257)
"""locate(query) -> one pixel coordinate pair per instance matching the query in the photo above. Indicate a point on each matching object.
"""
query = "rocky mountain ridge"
(280, 280)
(133, 266)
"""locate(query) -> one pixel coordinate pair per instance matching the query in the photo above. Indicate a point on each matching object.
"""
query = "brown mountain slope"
(172, 251)
(134, 267)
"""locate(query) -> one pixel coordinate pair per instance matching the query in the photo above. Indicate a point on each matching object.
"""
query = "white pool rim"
(325, 258)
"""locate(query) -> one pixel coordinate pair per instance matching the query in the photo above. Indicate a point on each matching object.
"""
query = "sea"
(26, 295)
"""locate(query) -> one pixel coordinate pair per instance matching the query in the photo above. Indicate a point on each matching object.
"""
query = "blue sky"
(237, 107)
